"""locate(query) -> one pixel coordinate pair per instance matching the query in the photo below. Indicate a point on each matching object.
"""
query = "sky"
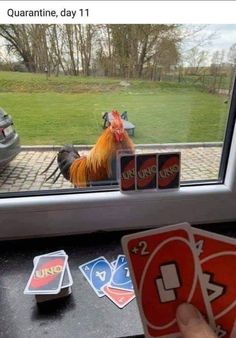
(222, 37)
(225, 35)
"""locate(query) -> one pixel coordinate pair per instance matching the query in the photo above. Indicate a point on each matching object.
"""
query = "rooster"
(100, 163)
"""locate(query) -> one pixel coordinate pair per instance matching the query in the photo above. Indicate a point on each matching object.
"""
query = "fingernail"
(186, 313)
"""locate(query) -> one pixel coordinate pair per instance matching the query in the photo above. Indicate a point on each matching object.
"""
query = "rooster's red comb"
(116, 119)
(115, 114)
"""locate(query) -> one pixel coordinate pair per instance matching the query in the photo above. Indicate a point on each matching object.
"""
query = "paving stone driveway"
(24, 172)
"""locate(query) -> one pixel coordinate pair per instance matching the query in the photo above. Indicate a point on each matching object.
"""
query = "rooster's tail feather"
(66, 156)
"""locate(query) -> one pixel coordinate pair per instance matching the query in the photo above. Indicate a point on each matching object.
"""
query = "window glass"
(59, 84)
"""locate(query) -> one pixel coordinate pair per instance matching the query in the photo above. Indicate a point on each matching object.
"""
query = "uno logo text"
(48, 271)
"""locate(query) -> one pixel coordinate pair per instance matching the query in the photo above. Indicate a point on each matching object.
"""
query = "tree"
(134, 49)
(119, 50)
(216, 67)
(232, 55)
(85, 37)
(29, 43)
(196, 59)
(17, 37)
(232, 61)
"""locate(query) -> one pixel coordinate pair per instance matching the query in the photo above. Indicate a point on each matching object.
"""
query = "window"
(173, 84)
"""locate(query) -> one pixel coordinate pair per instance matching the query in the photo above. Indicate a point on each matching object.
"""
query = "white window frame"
(22, 217)
(64, 214)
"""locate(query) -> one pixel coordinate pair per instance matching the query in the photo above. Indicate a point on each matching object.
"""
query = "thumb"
(191, 323)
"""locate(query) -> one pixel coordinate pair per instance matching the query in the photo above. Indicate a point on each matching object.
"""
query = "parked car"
(9, 139)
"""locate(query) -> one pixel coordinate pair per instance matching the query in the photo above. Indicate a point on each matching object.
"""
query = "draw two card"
(166, 272)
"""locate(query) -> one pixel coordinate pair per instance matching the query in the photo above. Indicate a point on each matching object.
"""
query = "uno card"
(127, 172)
(217, 256)
(47, 275)
(119, 261)
(120, 297)
(98, 273)
(166, 272)
(146, 168)
(59, 252)
(168, 171)
(121, 276)
(113, 264)
(67, 278)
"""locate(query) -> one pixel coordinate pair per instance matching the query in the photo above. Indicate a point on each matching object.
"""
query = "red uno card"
(217, 255)
(47, 275)
(120, 297)
(168, 171)
(127, 172)
(146, 169)
(166, 272)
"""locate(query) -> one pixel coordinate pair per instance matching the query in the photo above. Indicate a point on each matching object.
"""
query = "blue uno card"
(121, 259)
(113, 264)
(121, 276)
(98, 273)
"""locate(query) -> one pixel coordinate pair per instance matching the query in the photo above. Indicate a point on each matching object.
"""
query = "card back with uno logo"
(146, 167)
(67, 278)
(127, 172)
(169, 171)
(47, 275)
(217, 256)
(166, 272)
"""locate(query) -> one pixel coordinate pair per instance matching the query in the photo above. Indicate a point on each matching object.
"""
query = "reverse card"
(121, 276)
(217, 255)
(168, 171)
(120, 297)
(98, 273)
(127, 172)
(146, 167)
(166, 272)
(47, 275)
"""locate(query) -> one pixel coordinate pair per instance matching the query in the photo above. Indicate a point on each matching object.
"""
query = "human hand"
(191, 323)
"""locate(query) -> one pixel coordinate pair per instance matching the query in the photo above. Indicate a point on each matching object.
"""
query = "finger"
(191, 323)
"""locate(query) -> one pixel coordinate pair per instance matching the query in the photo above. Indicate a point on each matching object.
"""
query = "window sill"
(83, 213)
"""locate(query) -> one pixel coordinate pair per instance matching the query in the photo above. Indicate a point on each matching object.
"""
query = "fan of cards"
(110, 279)
(177, 264)
(149, 171)
(51, 278)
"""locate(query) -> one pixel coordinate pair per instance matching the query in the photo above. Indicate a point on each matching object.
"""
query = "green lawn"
(68, 109)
